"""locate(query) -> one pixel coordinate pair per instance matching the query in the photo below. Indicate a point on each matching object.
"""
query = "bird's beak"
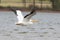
(34, 21)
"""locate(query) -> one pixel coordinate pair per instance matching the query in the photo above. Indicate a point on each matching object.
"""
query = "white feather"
(19, 16)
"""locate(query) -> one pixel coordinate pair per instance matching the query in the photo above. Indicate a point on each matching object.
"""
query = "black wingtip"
(33, 10)
(30, 13)
(13, 9)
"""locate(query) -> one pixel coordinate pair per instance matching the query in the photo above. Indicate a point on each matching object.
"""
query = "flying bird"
(24, 20)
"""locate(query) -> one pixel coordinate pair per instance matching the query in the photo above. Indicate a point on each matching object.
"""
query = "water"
(48, 27)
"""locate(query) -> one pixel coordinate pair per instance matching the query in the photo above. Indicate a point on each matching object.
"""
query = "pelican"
(24, 20)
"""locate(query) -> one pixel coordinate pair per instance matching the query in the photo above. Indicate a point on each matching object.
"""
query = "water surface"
(48, 27)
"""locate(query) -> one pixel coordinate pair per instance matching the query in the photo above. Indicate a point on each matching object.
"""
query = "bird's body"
(22, 20)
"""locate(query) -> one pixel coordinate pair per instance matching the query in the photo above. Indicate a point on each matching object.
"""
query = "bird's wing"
(19, 15)
(28, 16)
(13, 9)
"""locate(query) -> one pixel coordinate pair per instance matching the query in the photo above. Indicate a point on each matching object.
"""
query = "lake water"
(48, 27)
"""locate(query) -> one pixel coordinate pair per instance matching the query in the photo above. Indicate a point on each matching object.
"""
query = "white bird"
(24, 20)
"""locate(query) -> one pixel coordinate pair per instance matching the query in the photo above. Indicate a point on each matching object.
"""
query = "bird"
(24, 20)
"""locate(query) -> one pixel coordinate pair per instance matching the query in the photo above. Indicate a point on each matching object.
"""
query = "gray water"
(48, 27)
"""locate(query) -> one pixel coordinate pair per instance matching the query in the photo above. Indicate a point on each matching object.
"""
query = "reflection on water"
(47, 28)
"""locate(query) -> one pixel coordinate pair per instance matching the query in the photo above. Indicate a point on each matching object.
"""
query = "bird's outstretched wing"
(12, 9)
(20, 17)
(18, 13)
(28, 16)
